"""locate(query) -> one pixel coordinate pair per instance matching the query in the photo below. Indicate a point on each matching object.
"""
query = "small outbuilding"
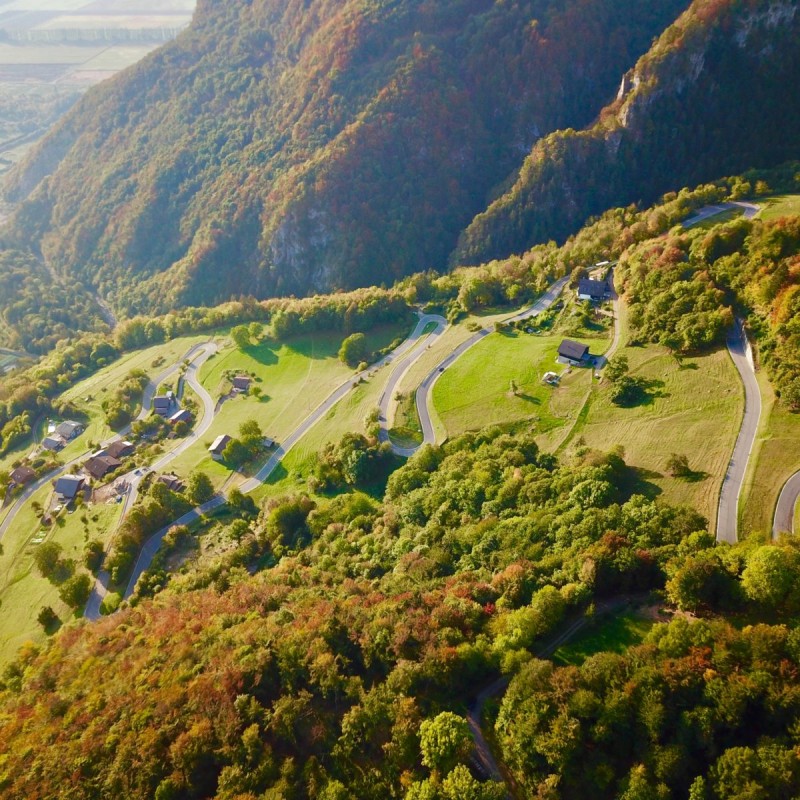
(551, 378)
(241, 383)
(573, 353)
(180, 416)
(218, 446)
(172, 482)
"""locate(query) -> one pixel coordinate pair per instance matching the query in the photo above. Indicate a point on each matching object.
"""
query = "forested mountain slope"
(715, 95)
(286, 147)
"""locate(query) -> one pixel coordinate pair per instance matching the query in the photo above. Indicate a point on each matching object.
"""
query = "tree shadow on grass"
(641, 392)
(693, 365)
(264, 353)
(637, 480)
(529, 398)
(694, 476)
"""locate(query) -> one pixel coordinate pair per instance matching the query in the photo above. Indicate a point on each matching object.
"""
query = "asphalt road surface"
(423, 396)
(728, 511)
(417, 348)
(197, 356)
(784, 511)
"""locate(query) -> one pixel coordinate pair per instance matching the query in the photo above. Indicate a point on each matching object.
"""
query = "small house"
(594, 291)
(68, 487)
(53, 443)
(573, 353)
(22, 476)
(241, 384)
(551, 378)
(218, 446)
(162, 405)
(180, 416)
(99, 466)
(120, 449)
(69, 430)
(172, 482)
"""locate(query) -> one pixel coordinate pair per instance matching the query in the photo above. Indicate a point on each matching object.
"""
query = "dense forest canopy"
(280, 148)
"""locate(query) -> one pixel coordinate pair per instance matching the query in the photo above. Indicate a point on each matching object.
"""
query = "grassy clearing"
(294, 378)
(347, 416)
(477, 390)
(613, 635)
(23, 591)
(694, 408)
(780, 206)
(407, 429)
(776, 456)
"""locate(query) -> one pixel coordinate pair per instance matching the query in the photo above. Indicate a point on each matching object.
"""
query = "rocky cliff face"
(289, 147)
(714, 96)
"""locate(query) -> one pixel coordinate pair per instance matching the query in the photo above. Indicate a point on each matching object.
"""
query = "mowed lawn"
(23, 591)
(776, 457)
(475, 391)
(780, 206)
(294, 378)
(694, 408)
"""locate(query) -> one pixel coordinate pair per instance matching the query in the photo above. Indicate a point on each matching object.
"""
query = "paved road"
(417, 347)
(750, 210)
(152, 545)
(412, 343)
(482, 754)
(197, 356)
(423, 396)
(784, 511)
(728, 511)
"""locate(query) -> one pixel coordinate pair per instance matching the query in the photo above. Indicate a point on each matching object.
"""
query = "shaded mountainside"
(715, 95)
(289, 147)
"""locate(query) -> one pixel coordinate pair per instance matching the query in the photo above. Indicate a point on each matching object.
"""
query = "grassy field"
(776, 456)
(23, 591)
(475, 391)
(406, 430)
(614, 635)
(693, 408)
(718, 219)
(294, 378)
(780, 206)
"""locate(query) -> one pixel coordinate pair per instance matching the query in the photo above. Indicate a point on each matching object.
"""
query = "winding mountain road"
(417, 348)
(787, 502)
(749, 209)
(728, 511)
(196, 357)
(405, 355)
(482, 753)
(423, 395)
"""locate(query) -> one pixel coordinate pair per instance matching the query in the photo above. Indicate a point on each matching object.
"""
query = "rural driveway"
(784, 511)
(728, 512)
(423, 396)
